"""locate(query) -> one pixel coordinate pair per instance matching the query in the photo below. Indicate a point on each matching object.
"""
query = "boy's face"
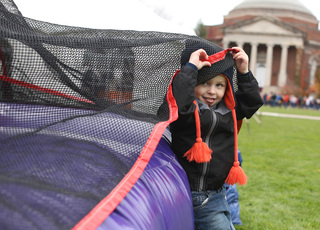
(212, 91)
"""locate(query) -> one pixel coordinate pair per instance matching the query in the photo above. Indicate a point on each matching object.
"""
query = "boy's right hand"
(197, 56)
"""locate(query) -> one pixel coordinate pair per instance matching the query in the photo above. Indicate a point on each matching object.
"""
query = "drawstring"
(236, 173)
(199, 152)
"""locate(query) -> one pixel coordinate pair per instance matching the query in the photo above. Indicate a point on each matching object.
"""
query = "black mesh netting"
(77, 107)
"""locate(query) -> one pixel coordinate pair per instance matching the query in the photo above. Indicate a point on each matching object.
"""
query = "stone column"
(253, 57)
(282, 79)
(225, 44)
(297, 78)
(269, 64)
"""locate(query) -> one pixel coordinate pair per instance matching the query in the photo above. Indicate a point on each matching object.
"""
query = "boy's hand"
(197, 56)
(241, 59)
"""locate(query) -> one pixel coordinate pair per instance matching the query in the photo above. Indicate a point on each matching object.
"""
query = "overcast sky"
(135, 14)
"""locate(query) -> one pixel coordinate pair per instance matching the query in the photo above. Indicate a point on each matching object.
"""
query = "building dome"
(293, 5)
(277, 8)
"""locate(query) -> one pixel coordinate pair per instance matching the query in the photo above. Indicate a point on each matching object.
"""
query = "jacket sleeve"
(183, 89)
(248, 97)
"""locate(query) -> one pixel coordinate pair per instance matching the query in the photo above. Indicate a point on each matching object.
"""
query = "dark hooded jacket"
(218, 128)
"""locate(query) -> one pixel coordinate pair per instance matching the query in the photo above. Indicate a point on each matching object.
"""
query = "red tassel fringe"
(236, 175)
(199, 152)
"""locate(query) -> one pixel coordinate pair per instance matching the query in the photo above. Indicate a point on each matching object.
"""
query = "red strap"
(39, 88)
(219, 56)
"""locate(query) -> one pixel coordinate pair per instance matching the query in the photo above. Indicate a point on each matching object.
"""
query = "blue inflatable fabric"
(160, 199)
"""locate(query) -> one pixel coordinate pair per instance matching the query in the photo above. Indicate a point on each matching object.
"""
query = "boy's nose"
(211, 90)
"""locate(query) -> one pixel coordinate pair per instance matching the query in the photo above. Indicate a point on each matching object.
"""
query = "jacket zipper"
(207, 140)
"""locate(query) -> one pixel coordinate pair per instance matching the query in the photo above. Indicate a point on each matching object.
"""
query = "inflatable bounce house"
(82, 145)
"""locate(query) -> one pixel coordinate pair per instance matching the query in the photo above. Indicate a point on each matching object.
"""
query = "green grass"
(282, 161)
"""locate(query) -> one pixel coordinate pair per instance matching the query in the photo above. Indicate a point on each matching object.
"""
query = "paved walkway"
(288, 115)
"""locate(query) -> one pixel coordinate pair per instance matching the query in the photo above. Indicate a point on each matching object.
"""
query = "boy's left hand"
(241, 59)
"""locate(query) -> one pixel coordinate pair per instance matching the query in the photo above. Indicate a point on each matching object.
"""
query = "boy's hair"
(206, 73)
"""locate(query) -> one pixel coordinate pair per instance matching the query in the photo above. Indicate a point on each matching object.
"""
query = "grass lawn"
(282, 161)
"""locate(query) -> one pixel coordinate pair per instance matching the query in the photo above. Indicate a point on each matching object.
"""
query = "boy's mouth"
(209, 101)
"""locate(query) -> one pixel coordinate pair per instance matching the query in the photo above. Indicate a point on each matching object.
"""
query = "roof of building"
(294, 5)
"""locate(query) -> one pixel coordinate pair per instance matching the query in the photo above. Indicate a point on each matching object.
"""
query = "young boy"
(203, 88)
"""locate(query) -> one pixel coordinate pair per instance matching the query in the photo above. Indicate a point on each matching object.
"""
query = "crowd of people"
(286, 100)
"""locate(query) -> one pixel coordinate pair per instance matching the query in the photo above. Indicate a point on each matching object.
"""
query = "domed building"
(282, 40)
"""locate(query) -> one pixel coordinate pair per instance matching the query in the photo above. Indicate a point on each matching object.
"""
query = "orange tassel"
(199, 152)
(236, 175)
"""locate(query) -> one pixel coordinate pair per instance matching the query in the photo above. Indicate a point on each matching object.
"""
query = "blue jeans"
(211, 210)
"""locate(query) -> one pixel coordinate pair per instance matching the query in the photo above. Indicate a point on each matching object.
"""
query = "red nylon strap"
(39, 88)
(219, 56)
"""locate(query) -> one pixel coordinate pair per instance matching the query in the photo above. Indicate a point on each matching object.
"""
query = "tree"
(200, 30)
